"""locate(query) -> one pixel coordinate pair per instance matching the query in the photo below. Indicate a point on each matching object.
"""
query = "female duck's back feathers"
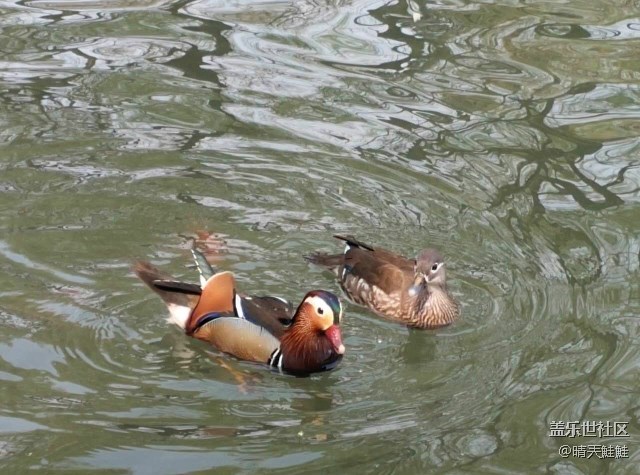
(256, 329)
(367, 266)
(412, 291)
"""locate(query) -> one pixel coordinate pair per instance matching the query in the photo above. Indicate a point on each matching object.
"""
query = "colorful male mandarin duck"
(412, 291)
(259, 329)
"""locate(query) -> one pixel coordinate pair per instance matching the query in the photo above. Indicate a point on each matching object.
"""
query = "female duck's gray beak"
(418, 284)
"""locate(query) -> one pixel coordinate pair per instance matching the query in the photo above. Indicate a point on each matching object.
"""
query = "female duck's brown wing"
(362, 262)
(384, 270)
(335, 261)
(377, 253)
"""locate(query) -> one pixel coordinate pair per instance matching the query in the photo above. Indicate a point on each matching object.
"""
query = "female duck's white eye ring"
(435, 266)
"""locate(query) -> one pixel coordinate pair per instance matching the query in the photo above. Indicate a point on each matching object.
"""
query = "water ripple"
(503, 134)
(110, 53)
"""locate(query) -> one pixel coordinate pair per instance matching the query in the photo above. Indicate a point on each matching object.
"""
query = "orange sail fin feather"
(218, 295)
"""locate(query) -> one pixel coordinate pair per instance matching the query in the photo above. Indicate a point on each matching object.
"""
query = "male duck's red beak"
(335, 337)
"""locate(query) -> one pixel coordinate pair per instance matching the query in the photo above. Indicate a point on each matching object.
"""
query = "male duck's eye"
(434, 267)
(320, 311)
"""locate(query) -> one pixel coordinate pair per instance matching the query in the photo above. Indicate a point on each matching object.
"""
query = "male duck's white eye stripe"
(319, 303)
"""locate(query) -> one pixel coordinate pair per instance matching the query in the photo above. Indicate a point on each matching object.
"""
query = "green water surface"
(504, 133)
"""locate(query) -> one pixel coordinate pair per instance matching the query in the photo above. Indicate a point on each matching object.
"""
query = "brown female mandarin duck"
(411, 291)
(259, 329)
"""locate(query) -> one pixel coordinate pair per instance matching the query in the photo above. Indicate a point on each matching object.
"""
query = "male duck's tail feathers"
(175, 295)
(177, 286)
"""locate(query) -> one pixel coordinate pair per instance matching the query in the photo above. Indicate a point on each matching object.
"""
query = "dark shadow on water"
(419, 348)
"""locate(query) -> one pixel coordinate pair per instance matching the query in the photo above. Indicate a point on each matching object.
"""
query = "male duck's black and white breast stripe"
(276, 359)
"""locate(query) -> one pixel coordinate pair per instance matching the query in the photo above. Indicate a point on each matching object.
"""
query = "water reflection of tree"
(553, 162)
(550, 161)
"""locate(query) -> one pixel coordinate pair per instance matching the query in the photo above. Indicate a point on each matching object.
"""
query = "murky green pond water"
(505, 133)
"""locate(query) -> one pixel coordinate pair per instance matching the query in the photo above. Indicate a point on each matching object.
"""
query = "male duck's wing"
(271, 313)
(223, 319)
(219, 296)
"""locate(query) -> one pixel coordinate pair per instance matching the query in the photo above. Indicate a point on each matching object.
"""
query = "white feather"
(178, 314)
(238, 305)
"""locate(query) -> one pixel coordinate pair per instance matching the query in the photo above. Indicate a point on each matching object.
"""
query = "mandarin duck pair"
(267, 330)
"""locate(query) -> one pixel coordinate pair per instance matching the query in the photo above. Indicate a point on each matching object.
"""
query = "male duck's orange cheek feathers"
(217, 296)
